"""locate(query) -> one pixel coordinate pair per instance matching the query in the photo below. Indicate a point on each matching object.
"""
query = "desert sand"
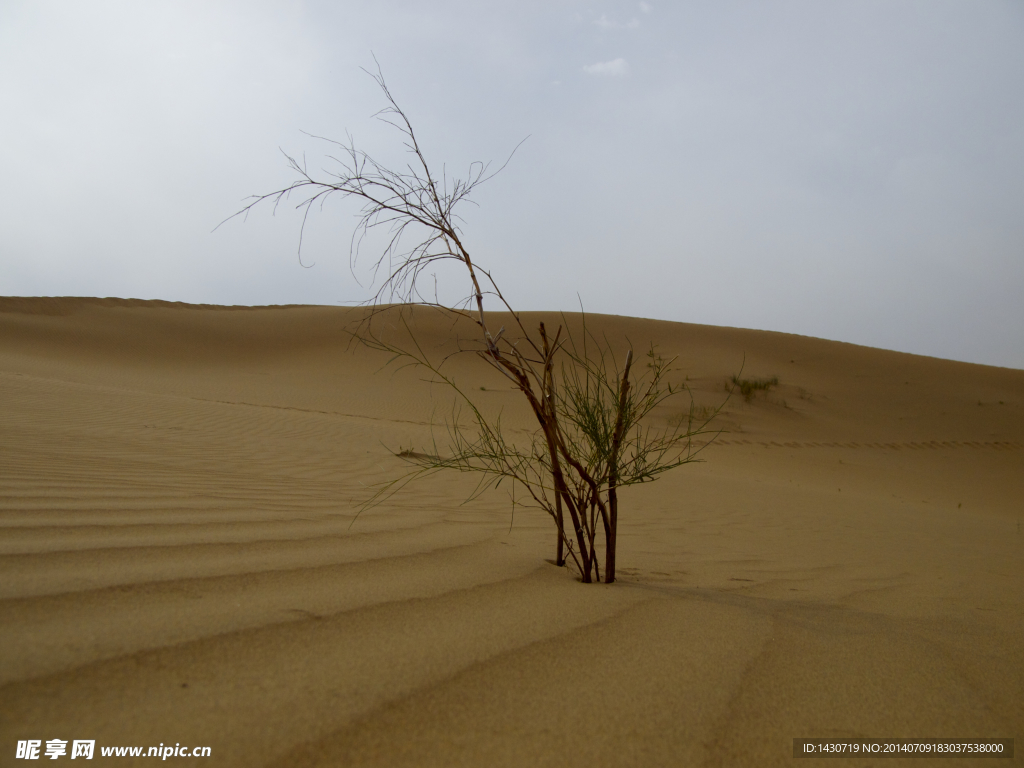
(181, 559)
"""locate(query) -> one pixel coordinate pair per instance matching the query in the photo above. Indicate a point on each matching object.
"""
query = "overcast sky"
(848, 170)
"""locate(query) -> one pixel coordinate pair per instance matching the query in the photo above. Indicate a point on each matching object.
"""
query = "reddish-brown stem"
(611, 530)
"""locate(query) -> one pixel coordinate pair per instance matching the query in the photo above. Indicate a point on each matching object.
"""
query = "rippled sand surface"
(181, 559)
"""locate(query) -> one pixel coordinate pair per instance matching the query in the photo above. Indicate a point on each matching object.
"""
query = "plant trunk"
(550, 425)
(613, 514)
(559, 553)
(613, 476)
(579, 524)
(562, 494)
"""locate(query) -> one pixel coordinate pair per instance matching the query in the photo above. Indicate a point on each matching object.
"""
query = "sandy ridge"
(178, 559)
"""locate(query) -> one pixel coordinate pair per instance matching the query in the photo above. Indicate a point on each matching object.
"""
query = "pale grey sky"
(849, 170)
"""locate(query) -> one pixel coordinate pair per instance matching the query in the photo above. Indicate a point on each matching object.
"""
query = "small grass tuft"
(750, 387)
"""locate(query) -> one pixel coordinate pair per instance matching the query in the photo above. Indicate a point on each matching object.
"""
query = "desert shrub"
(750, 387)
(592, 436)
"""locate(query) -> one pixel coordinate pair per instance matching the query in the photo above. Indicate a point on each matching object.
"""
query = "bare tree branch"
(593, 434)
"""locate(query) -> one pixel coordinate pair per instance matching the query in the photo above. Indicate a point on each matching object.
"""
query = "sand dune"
(181, 559)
